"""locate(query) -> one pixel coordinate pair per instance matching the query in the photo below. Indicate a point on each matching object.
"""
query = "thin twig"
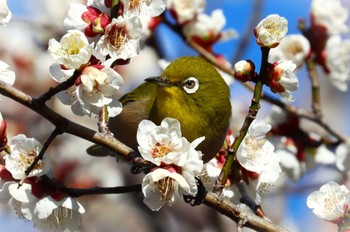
(39, 157)
(103, 120)
(78, 192)
(316, 101)
(253, 111)
(54, 90)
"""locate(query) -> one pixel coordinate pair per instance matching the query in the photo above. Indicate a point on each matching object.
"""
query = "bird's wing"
(145, 90)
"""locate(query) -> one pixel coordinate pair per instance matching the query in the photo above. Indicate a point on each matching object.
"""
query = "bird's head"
(191, 90)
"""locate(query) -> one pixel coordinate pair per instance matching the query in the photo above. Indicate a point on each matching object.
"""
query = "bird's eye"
(191, 85)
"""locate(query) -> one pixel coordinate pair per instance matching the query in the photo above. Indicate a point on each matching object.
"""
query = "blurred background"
(23, 45)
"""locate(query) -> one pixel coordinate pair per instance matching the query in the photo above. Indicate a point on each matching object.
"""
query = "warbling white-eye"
(190, 90)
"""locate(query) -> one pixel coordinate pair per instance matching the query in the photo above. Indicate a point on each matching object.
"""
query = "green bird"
(190, 90)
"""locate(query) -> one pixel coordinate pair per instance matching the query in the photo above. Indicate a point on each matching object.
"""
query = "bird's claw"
(198, 199)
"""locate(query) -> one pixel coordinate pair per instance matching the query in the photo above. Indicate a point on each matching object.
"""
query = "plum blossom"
(331, 202)
(121, 38)
(338, 61)
(98, 86)
(23, 152)
(47, 213)
(256, 155)
(6, 75)
(282, 80)
(57, 215)
(292, 47)
(330, 14)
(271, 30)
(255, 152)
(177, 162)
(149, 8)
(5, 13)
(72, 51)
(186, 10)
(206, 30)
(298, 149)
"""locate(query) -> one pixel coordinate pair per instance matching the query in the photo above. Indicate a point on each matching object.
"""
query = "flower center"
(295, 48)
(59, 216)
(255, 147)
(184, 4)
(331, 201)
(161, 150)
(135, 3)
(72, 44)
(166, 188)
(274, 28)
(28, 159)
(117, 37)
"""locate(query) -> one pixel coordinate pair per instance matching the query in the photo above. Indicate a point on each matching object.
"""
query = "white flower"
(255, 152)
(99, 87)
(121, 38)
(331, 14)
(150, 8)
(72, 51)
(46, 213)
(338, 61)
(292, 47)
(6, 75)
(161, 186)
(271, 30)
(165, 144)
(343, 157)
(208, 28)
(5, 13)
(23, 152)
(62, 215)
(177, 160)
(331, 202)
(282, 79)
(185, 10)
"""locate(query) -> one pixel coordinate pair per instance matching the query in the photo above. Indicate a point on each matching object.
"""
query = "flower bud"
(282, 80)
(244, 70)
(3, 137)
(271, 30)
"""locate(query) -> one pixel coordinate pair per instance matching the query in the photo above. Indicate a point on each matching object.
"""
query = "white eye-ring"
(191, 85)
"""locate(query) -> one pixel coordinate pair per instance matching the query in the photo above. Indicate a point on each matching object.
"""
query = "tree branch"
(227, 208)
(66, 125)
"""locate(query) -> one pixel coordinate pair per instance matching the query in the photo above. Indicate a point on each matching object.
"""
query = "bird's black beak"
(162, 81)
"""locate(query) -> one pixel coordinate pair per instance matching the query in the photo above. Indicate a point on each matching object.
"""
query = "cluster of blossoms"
(95, 40)
(197, 26)
(30, 196)
(328, 49)
(299, 150)
(176, 162)
(259, 166)
(280, 74)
